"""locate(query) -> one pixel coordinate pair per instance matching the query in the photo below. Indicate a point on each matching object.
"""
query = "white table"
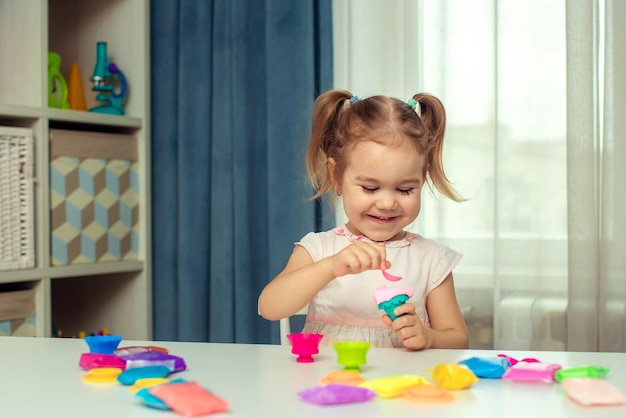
(40, 377)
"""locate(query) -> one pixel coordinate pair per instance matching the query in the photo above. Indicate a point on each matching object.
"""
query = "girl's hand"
(408, 327)
(358, 257)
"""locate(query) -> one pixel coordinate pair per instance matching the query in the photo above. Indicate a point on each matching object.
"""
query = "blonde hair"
(339, 123)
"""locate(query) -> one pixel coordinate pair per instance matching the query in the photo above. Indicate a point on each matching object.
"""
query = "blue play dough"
(389, 305)
(150, 400)
(487, 367)
(130, 376)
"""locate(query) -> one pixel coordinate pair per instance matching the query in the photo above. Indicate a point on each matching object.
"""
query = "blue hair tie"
(412, 103)
(353, 99)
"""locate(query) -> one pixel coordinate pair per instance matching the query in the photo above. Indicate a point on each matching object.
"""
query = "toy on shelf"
(102, 73)
(57, 87)
(75, 94)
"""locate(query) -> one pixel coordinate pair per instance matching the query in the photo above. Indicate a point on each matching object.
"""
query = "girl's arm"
(448, 328)
(295, 286)
(302, 278)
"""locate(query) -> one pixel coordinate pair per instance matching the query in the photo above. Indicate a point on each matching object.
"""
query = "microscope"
(106, 76)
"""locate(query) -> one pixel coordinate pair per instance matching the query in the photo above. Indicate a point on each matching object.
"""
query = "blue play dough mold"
(389, 305)
(103, 344)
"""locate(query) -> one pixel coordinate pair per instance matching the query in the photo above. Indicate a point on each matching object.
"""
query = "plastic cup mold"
(104, 344)
(305, 346)
(351, 354)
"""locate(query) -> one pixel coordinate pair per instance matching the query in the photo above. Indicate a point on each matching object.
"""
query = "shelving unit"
(85, 296)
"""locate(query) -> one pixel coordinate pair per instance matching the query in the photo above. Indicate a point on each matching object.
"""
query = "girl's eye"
(406, 191)
(369, 189)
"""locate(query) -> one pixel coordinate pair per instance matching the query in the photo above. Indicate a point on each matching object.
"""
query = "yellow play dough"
(147, 382)
(102, 375)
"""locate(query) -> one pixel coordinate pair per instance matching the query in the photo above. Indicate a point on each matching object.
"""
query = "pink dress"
(345, 309)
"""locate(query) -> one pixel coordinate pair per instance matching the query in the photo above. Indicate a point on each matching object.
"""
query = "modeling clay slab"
(130, 376)
(157, 358)
(453, 376)
(336, 394)
(147, 383)
(489, 367)
(394, 386)
(152, 401)
(532, 372)
(102, 375)
(94, 360)
(514, 361)
(592, 392)
(343, 377)
(428, 394)
(134, 349)
(583, 371)
(189, 399)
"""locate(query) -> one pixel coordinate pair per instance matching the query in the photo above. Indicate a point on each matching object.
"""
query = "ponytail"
(433, 116)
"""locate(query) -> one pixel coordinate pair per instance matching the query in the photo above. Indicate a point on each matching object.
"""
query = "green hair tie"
(412, 103)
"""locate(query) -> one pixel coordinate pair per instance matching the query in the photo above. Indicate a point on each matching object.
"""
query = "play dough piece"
(389, 298)
(336, 394)
(130, 376)
(189, 399)
(453, 376)
(428, 394)
(532, 372)
(394, 386)
(134, 349)
(343, 377)
(514, 361)
(155, 358)
(102, 375)
(488, 367)
(383, 294)
(389, 276)
(583, 371)
(591, 391)
(152, 401)
(95, 360)
(147, 383)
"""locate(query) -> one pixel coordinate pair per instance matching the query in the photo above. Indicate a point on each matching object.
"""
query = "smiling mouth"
(382, 218)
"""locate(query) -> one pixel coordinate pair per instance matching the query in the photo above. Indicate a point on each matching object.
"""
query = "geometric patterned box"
(17, 313)
(94, 197)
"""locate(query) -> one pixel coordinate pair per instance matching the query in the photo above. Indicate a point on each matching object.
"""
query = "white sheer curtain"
(533, 92)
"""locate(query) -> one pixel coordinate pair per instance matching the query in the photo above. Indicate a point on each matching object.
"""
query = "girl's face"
(381, 189)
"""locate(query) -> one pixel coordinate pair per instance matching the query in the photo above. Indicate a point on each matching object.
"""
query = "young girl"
(377, 154)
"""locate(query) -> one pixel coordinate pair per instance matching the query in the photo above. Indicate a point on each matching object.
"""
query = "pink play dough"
(383, 294)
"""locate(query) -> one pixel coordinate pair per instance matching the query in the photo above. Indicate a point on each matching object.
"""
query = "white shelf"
(68, 115)
(89, 296)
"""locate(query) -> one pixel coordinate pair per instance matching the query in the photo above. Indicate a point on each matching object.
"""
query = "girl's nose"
(386, 202)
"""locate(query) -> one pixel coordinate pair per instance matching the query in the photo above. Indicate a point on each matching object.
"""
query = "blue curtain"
(232, 89)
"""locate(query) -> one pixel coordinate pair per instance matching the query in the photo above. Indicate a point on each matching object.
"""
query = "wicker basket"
(17, 247)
